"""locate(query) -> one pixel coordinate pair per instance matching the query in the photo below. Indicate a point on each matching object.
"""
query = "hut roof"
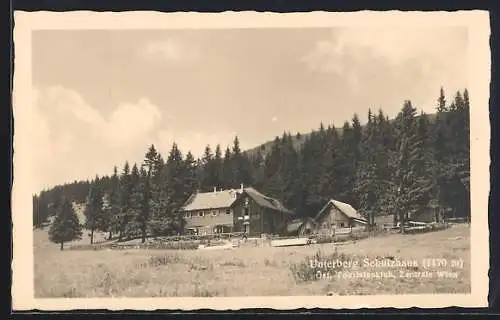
(345, 208)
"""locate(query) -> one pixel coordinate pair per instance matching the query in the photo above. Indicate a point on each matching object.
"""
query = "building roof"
(266, 201)
(226, 198)
(210, 200)
(345, 208)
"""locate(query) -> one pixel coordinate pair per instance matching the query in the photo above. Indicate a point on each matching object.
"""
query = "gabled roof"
(210, 200)
(266, 201)
(345, 208)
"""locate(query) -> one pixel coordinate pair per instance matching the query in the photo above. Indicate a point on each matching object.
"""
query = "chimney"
(215, 189)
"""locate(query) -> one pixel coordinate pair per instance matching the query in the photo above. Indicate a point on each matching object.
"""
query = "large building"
(256, 214)
(242, 210)
(209, 212)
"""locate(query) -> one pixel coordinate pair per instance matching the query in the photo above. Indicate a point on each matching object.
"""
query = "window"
(341, 224)
(201, 214)
(228, 211)
(188, 215)
(246, 211)
(215, 213)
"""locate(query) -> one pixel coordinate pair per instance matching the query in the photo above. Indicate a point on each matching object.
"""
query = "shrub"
(324, 239)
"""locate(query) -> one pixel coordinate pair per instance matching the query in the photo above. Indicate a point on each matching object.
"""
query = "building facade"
(243, 210)
(209, 212)
(256, 214)
(338, 215)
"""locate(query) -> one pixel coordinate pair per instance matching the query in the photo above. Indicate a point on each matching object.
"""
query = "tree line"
(402, 167)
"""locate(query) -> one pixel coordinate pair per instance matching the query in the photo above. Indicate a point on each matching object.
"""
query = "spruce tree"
(441, 107)
(125, 187)
(409, 186)
(207, 180)
(216, 167)
(227, 170)
(131, 227)
(40, 210)
(112, 208)
(189, 176)
(140, 204)
(94, 213)
(368, 182)
(65, 227)
(150, 160)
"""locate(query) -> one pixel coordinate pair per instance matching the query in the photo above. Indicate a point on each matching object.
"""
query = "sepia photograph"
(271, 158)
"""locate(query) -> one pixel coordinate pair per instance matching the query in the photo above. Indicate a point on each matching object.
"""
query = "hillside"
(299, 141)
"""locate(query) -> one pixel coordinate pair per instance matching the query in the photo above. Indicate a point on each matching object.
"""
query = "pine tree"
(441, 107)
(112, 207)
(131, 228)
(216, 168)
(258, 166)
(236, 164)
(368, 183)
(311, 171)
(40, 209)
(140, 204)
(349, 151)
(125, 186)
(207, 178)
(65, 227)
(289, 171)
(227, 170)
(189, 176)
(94, 213)
(409, 187)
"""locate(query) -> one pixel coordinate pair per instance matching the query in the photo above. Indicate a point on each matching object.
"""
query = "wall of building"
(247, 206)
(261, 219)
(336, 219)
(207, 220)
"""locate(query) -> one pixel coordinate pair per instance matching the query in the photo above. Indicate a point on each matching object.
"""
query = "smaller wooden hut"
(300, 227)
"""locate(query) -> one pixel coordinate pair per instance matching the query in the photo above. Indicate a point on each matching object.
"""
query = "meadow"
(252, 271)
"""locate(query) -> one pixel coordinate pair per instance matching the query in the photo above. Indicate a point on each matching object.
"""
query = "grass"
(246, 271)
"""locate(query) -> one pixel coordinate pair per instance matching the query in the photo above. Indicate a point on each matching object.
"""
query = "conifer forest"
(397, 167)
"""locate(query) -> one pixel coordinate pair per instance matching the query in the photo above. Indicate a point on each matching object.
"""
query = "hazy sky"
(101, 97)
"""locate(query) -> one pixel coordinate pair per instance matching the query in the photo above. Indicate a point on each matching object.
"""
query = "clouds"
(405, 59)
(394, 46)
(74, 141)
(169, 51)
(123, 90)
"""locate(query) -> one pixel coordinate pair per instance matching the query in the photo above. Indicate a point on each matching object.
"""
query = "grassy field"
(251, 271)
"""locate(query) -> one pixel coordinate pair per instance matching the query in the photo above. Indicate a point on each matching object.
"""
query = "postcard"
(238, 160)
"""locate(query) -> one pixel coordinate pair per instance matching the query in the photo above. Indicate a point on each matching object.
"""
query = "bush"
(324, 239)
(427, 228)
(175, 245)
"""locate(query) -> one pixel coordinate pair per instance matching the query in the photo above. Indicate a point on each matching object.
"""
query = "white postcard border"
(479, 79)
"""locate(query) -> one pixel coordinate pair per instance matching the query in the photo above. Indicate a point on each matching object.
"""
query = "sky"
(101, 97)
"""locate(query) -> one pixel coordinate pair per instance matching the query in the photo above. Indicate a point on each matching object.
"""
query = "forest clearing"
(244, 271)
